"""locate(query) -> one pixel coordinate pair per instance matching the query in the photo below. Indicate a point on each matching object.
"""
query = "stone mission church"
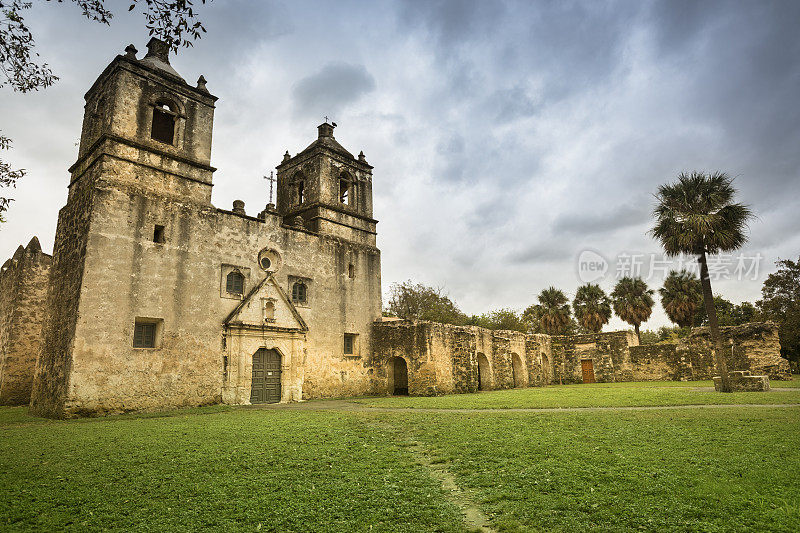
(159, 299)
(154, 298)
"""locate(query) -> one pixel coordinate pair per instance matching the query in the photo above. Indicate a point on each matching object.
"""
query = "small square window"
(145, 334)
(350, 345)
(158, 234)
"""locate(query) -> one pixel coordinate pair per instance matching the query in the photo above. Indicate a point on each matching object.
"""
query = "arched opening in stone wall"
(546, 372)
(518, 371)
(398, 376)
(484, 373)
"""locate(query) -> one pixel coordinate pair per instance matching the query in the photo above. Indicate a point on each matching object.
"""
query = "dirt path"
(348, 405)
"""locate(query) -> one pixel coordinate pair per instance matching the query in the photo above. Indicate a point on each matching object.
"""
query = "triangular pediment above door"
(266, 306)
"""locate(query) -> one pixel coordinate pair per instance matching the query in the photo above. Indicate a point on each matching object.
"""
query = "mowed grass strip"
(234, 470)
(626, 394)
(677, 470)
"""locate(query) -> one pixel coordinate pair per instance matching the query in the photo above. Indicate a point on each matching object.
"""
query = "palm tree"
(554, 310)
(592, 307)
(633, 302)
(681, 297)
(697, 215)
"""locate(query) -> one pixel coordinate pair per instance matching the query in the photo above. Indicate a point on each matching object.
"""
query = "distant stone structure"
(155, 299)
(434, 358)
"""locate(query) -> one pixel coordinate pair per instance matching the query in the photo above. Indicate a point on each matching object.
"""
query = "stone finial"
(201, 83)
(362, 157)
(18, 254)
(34, 246)
(286, 156)
(298, 221)
(270, 207)
(158, 49)
(325, 130)
(130, 51)
(238, 207)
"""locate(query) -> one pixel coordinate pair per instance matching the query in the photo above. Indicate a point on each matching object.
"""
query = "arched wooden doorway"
(399, 385)
(484, 373)
(266, 386)
(518, 371)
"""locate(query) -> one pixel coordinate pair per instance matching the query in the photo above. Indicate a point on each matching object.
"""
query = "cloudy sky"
(507, 137)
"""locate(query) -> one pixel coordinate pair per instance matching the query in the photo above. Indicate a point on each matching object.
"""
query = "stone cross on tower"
(271, 181)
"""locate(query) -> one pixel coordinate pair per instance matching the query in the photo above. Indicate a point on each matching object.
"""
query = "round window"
(269, 260)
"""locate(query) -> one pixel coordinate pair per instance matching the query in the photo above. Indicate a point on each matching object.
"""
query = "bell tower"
(142, 112)
(329, 188)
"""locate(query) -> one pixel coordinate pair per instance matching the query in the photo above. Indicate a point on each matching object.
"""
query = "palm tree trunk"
(716, 339)
(636, 328)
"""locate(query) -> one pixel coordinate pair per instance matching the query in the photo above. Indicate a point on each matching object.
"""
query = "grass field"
(313, 469)
(635, 394)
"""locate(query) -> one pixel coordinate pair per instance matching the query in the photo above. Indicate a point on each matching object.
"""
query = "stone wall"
(445, 359)
(607, 351)
(23, 289)
(754, 347)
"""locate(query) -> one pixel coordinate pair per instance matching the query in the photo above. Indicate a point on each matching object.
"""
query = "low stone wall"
(23, 290)
(660, 362)
(754, 347)
(444, 359)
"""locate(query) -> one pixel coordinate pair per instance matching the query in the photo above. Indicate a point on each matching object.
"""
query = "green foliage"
(780, 302)
(415, 301)
(592, 307)
(647, 336)
(633, 301)
(506, 319)
(697, 215)
(554, 311)
(681, 297)
(728, 313)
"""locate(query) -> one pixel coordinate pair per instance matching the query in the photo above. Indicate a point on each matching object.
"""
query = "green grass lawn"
(223, 468)
(627, 394)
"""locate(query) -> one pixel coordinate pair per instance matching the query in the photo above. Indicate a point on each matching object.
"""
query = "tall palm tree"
(554, 310)
(592, 307)
(697, 215)
(681, 297)
(633, 302)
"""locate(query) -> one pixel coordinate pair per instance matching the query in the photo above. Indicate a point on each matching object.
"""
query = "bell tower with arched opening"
(327, 190)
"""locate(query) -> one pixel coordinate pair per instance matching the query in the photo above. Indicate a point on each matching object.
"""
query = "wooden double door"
(266, 387)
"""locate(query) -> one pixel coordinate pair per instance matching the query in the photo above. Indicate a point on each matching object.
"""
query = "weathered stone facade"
(23, 288)
(141, 253)
(443, 359)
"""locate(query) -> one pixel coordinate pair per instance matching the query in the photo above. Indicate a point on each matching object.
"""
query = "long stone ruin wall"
(445, 359)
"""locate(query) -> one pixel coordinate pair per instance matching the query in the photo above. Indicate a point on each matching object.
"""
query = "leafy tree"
(728, 313)
(555, 314)
(411, 300)
(633, 302)
(681, 297)
(780, 301)
(592, 307)
(532, 317)
(507, 319)
(173, 21)
(697, 215)
(647, 336)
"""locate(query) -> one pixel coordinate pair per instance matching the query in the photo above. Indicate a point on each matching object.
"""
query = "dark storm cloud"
(331, 88)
